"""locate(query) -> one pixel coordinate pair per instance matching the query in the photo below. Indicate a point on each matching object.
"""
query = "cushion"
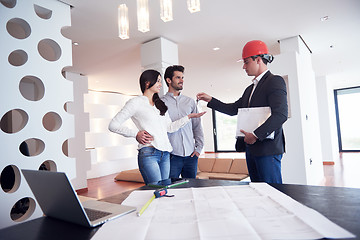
(221, 176)
(132, 175)
(202, 175)
(239, 166)
(222, 165)
(206, 164)
(228, 176)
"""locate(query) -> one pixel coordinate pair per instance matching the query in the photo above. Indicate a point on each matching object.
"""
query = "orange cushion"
(239, 166)
(221, 176)
(132, 175)
(228, 176)
(222, 165)
(206, 164)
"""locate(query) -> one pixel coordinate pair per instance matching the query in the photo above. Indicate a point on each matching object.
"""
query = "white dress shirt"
(255, 82)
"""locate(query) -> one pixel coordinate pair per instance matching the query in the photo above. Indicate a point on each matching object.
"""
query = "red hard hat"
(253, 48)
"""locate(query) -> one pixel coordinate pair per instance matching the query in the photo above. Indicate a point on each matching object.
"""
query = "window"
(347, 118)
(224, 130)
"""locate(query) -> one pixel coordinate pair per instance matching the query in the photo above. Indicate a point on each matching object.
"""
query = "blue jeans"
(186, 166)
(154, 164)
(264, 168)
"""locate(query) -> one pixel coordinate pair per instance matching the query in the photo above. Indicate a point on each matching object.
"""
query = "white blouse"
(146, 117)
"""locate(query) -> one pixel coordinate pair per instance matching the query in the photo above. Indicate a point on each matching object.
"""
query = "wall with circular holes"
(35, 126)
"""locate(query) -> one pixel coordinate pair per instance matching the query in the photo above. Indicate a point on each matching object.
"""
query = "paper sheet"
(249, 119)
(255, 211)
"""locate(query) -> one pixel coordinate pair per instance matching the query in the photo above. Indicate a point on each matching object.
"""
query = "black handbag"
(240, 145)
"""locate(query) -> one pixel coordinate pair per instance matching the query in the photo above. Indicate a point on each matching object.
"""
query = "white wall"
(327, 118)
(110, 152)
(32, 45)
(76, 144)
(333, 82)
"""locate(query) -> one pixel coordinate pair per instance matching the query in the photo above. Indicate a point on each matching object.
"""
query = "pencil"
(177, 184)
(146, 205)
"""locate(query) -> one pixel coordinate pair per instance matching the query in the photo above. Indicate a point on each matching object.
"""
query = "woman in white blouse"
(149, 113)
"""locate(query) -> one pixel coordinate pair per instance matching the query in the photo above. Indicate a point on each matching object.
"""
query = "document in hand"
(249, 119)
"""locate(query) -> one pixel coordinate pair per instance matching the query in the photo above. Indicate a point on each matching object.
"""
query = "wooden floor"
(344, 173)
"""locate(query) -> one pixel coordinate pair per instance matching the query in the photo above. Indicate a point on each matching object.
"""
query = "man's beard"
(177, 88)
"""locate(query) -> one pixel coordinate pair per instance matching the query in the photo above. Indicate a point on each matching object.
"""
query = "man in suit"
(264, 147)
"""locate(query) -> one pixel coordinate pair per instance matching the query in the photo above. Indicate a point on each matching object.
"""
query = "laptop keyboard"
(95, 214)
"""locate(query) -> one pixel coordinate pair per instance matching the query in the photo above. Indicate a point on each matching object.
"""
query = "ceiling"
(112, 64)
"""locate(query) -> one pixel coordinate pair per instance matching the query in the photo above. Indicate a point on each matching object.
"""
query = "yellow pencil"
(146, 205)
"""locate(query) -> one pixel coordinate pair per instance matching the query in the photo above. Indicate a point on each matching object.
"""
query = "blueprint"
(254, 211)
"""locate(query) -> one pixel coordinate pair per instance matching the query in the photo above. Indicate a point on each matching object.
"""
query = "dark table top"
(340, 205)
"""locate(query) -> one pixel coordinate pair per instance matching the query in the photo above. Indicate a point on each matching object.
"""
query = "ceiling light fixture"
(143, 15)
(75, 43)
(216, 48)
(166, 12)
(123, 21)
(193, 5)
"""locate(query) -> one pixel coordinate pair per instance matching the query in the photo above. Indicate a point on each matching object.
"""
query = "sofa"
(208, 168)
(222, 168)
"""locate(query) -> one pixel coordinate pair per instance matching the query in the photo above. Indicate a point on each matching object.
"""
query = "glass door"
(347, 107)
(224, 130)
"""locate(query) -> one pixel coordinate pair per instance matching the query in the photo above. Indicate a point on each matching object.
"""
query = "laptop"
(58, 199)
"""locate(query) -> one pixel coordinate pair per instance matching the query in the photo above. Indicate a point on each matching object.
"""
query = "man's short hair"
(169, 72)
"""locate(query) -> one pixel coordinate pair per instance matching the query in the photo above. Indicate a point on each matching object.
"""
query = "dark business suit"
(270, 91)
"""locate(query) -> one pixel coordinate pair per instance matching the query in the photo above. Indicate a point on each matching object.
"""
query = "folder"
(249, 119)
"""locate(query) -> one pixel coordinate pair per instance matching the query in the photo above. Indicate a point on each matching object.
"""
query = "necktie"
(255, 81)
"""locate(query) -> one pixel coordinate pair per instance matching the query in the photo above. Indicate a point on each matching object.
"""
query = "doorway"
(347, 118)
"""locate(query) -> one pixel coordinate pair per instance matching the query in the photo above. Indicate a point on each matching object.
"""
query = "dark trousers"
(264, 168)
(186, 166)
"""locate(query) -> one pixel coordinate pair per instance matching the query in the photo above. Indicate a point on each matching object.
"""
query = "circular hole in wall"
(67, 107)
(18, 28)
(49, 49)
(10, 179)
(48, 165)
(18, 58)
(63, 73)
(65, 148)
(52, 121)
(14, 120)
(8, 3)
(34, 145)
(32, 88)
(42, 12)
(22, 209)
(24, 149)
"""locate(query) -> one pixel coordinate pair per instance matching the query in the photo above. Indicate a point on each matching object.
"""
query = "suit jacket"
(270, 91)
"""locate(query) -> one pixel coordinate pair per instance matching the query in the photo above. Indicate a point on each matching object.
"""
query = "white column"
(302, 162)
(158, 54)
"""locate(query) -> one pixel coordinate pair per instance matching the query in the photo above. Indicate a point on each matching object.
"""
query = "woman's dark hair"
(151, 76)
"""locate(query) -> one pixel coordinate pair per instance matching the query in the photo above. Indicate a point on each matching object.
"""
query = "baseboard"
(82, 190)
